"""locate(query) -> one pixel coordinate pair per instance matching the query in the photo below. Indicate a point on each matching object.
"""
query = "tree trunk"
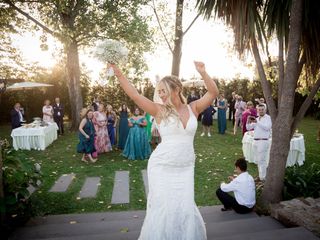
(177, 51)
(2, 213)
(281, 130)
(73, 77)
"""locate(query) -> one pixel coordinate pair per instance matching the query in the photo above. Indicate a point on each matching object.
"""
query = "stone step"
(90, 187)
(121, 193)
(62, 184)
(145, 181)
(241, 226)
(209, 214)
(72, 229)
(214, 229)
(297, 233)
(131, 235)
(277, 234)
(86, 218)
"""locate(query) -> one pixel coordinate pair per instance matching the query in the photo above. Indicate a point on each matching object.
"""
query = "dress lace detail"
(171, 211)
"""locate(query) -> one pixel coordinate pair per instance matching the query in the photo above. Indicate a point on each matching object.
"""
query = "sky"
(210, 42)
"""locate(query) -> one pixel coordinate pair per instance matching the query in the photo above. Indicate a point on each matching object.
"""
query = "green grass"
(214, 162)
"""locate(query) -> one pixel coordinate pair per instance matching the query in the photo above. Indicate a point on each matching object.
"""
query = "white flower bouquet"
(111, 51)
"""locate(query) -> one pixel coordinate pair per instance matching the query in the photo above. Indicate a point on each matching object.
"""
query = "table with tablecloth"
(296, 153)
(34, 137)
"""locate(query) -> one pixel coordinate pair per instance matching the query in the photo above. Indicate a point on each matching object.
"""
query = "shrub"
(302, 182)
(18, 173)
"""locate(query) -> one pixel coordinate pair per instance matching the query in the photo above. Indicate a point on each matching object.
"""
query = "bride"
(171, 211)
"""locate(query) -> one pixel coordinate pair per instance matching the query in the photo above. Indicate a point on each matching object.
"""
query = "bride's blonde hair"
(171, 83)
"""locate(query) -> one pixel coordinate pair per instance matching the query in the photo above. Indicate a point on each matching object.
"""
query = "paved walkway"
(121, 187)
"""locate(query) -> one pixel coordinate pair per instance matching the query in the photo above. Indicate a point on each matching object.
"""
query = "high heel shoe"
(93, 160)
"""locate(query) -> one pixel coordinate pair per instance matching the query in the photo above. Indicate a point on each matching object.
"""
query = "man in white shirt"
(243, 188)
(262, 128)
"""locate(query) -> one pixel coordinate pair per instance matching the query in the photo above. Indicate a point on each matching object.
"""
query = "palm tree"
(296, 24)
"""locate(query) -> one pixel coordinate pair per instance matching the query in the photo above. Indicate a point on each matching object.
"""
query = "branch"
(266, 87)
(30, 18)
(281, 70)
(304, 107)
(193, 21)
(76, 8)
(158, 20)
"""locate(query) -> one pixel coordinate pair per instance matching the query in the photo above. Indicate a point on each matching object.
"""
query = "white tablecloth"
(296, 152)
(34, 138)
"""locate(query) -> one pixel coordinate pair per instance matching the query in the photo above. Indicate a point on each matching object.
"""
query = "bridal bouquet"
(111, 51)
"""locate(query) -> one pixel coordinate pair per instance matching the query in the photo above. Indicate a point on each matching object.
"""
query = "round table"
(296, 153)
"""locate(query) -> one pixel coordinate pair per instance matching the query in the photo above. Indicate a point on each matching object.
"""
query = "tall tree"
(77, 23)
(296, 24)
(179, 33)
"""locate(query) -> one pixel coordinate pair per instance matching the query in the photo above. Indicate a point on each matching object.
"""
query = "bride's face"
(163, 92)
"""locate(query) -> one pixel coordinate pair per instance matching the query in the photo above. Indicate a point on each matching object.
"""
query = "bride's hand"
(200, 67)
(116, 70)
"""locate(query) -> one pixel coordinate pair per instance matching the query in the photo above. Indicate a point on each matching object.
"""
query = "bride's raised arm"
(201, 104)
(144, 103)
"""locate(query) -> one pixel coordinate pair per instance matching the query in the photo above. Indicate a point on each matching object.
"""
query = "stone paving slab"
(121, 193)
(145, 181)
(62, 184)
(90, 187)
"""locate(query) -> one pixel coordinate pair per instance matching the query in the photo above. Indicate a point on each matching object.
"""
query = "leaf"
(124, 230)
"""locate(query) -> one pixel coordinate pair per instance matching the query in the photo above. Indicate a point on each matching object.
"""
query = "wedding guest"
(47, 111)
(239, 107)
(207, 120)
(112, 123)
(243, 188)
(86, 136)
(16, 116)
(95, 104)
(58, 113)
(232, 102)
(192, 97)
(222, 110)
(123, 126)
(101, 141)
(155, 139)
(260, 101)
(249, 112)
(137, 145)
(262, 128)
(148, 118)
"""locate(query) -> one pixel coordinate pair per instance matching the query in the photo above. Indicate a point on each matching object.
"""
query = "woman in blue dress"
(86, 136)
(112, 123)
(137, 145)
(123, 126)
(222, 109)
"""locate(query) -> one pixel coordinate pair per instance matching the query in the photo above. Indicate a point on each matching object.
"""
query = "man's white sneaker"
(202, 134)
(209, 135)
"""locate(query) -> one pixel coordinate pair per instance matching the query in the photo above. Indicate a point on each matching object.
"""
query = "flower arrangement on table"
(111, 51)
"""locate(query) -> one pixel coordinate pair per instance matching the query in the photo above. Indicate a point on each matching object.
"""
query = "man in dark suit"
(58, 113)
(192, 97)
(232, 102)
(16, 116)
(95, 104)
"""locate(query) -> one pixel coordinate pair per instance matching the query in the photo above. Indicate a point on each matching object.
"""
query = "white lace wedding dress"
(171, 211)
